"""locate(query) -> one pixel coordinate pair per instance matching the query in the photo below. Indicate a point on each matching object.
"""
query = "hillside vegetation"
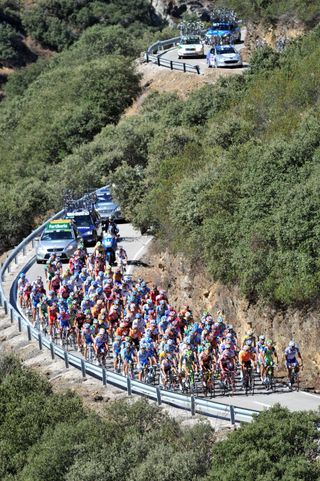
(273, 11)
(51, 437)
(229, 177)
(53, 106)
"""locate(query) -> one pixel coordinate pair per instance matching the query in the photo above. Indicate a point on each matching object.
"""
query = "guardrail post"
(52, 350)
(171, 64)
(66, 359)
(147, 57)
(19, 324)
(193, 405)
(9, 269)
(33, 243)
(24, 250)
(184, 67)
(6, 307)
(11, 315)
(198, 69)
(16, 260)
(104, 376)
(83, 368)
(40, 341)
(158, 60)
(1, 300)
(232, 416)
(129, 386)
(29, 332)
(158, 396)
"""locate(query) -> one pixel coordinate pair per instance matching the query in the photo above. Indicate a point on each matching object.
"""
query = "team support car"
(105, 205)
(190, 46)
(222, 30)
(224, 56)
(88, 223)
(59, 237)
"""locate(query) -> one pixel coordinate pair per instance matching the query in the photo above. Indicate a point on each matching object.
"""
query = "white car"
(191, 46)
(224, 56)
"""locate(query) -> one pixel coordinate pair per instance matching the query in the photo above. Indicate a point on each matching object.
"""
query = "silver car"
(224, 56)
(105, 206)
(59, 237)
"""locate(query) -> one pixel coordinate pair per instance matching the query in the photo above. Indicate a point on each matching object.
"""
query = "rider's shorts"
(292, 363)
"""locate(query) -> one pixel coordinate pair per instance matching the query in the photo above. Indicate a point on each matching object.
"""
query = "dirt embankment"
(193, 287)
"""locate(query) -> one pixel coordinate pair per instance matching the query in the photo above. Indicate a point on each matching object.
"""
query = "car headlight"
(70, 248)
(89, 232)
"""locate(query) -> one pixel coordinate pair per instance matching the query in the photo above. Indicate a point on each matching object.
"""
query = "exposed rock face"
(172, 10)
(195, 289)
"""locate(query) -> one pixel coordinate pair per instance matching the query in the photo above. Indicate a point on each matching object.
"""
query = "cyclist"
(128, 357)
(206, 364)
(100, 346)
(269, 358)
(249, 336)
(227, 365)
(247, 361)
(144, 360)
(87, 340)
(22, 283)
(292, 356)
(122, 258)
(167, 368)
(261, 346)
(116, 350)
(188, 364)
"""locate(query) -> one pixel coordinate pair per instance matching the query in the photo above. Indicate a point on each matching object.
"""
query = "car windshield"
(83, 220)
(106, 197)
(190, 41)
(57, 235)
(223, 26)
(223, 50)
(103, 206)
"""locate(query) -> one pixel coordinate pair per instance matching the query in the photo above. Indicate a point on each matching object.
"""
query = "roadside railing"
(156, 50)
(228, 412)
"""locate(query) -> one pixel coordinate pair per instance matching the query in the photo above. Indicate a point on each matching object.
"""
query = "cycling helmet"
(134, 324)
(262, 338)
(118, 338)
(250, 333)
(246, 348)
(102, 330)
(292, 344)
(269, 342)
(87, 325)
(22, 275)
(248, 342)
(227, 346)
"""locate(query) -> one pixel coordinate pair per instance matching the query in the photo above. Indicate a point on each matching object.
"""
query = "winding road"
(136, 245)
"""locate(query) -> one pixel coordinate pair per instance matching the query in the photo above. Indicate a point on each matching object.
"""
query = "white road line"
(263, 404)
(311, 395)
(138, 254)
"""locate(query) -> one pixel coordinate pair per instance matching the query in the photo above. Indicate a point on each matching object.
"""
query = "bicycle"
(227, 382)
(248, 381)
(208, 383)
(294, 378)
(269, 379)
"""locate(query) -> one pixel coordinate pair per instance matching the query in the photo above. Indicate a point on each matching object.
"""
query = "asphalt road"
(135, 245)
(172, 54)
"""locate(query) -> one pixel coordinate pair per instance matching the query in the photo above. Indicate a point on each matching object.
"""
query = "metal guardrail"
(191, 403)
(152, 55)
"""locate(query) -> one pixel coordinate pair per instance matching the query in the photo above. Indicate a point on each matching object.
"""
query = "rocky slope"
(191, 286)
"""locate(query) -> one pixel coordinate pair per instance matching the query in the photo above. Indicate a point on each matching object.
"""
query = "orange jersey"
(246, 356)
